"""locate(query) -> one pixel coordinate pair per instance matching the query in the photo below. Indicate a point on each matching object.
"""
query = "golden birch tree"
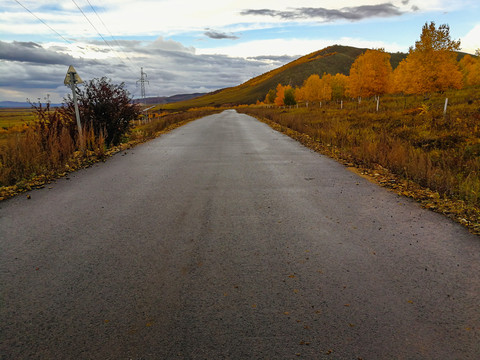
(431, 66)
(370, 74)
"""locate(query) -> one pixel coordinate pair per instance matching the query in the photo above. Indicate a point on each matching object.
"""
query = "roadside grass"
(410, 145)
(39, 154)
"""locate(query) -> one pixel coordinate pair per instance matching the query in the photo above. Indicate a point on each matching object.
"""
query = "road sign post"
(71, 79)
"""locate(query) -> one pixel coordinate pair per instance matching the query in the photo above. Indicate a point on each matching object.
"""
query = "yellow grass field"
(10, 117)
(14, 121)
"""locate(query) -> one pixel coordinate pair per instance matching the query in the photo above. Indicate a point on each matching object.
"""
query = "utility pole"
(71, 79)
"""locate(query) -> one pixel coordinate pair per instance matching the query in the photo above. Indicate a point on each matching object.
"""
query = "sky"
(190, 46)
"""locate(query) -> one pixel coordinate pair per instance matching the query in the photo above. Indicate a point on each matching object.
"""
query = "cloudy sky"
(187, 46)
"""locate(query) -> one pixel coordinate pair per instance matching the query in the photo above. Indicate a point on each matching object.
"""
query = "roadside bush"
(104, 107)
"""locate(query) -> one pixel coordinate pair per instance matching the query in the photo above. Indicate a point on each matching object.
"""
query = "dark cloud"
(217, 35)
(32, 72)
(275, 58)
(32, 53)
(29, 44)
(347, 13)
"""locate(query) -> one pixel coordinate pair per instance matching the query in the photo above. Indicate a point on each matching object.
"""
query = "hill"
(169, 99)
(333, 59)
(18, 104)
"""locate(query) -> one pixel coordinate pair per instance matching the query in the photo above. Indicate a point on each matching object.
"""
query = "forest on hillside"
(431, 66)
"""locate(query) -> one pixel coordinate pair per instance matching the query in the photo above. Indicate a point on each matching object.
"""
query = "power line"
(74, 44)
(98, 32)
(106, 28)
(86, 17)
(43, 22)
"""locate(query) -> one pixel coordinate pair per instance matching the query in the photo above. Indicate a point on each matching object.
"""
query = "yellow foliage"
(431, 66)
(339, 86)
(470, 68)
(311, 88)
(370, 74)
(279, 100)
(316, 89)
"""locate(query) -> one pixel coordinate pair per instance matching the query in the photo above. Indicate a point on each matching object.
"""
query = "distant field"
(12, 122)
(10, 117)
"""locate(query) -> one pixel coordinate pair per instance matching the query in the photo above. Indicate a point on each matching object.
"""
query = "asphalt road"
(227, 240)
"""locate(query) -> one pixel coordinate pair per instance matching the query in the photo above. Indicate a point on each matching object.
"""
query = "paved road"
(227, 240)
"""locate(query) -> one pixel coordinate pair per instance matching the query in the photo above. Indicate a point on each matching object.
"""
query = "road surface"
(227, 240)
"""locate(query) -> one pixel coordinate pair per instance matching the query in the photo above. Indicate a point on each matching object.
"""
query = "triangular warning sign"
(68, 77)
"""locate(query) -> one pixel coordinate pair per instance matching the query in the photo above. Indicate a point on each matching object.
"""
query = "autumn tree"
(311, 88)
(339, 86)
(370, 74)
(279, 99)
(271, 95)
(325, 91)
(300, 94)
(431, 65)
(470, 68)
(289, 96)
(318, 89)
(400, 79)
(105, 107)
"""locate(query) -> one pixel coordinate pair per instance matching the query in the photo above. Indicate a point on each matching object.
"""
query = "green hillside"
(332, 60)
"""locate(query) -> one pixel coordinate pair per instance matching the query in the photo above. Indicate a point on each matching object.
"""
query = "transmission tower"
(142, 81)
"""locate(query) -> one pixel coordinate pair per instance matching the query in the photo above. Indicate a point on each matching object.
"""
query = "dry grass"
(10, 117)
(14, 121)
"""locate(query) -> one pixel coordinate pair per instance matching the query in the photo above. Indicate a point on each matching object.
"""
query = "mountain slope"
(333, 59)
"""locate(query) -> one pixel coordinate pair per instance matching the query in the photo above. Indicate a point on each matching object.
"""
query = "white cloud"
(471, 41)
(154, 17)
(299, 47)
